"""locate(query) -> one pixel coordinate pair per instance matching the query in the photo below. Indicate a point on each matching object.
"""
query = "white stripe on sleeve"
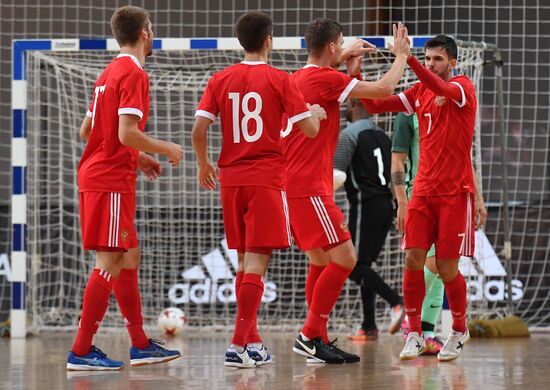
(206, 114)
(130, 111)
(462, 103)
(299, 117)
(347, 90)
(406, 103)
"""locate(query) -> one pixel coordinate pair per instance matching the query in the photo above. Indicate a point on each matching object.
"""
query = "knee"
(413, 262)
(447, 274)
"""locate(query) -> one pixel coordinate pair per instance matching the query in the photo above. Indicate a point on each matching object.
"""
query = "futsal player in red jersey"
(318, 225)
(113, 127)
(441, 209)
(251, 97)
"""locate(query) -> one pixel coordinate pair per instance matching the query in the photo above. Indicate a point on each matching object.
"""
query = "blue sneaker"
(240, 360)
(154, 353)
(95, 360)
(260, 355)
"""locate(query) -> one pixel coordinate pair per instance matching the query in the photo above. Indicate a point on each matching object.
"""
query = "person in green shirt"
(405, 157)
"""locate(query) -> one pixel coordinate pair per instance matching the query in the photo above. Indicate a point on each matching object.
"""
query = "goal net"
(185, 260)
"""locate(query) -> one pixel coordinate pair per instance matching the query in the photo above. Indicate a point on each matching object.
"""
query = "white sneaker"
(453, 346)
(240, 360)
(414, 346)
(260, 355)
(397, 313)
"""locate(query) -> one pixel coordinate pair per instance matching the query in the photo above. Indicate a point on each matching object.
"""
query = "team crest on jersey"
(440, 100)
(344, 226)
(124, 235)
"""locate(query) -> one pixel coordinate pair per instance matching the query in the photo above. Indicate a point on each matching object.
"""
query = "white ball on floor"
(339, 177)
(172, 321)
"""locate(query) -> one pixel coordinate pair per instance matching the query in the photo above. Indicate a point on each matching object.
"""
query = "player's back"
(251, 98)
(371, 160)
(309, 161)
(106, 164)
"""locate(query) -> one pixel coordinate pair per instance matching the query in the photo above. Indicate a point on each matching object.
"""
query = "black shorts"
(369, 223)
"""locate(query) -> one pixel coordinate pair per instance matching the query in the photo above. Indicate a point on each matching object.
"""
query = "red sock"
(456, 295)
(238, 281)
(248, 302)
(413, 297)
(325, 294)
(129, 301)
(253, 335)
(312, 276)
(94, 306)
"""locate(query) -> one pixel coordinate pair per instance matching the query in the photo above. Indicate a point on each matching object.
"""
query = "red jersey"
(251, 98)
(309, 161)
(107, 165)
(446, 130)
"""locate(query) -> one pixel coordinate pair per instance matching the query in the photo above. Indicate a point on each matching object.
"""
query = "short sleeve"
(339, 86)
(133, 90)
(408, 98)
(294, 102)
(403, 129)
(208, 108)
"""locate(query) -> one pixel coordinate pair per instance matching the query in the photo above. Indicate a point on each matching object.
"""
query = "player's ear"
(453, 63)
(268, 42)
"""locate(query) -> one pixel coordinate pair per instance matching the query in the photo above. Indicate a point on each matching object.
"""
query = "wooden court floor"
(39, 363)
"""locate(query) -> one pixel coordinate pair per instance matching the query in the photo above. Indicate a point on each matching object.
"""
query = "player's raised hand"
(358, 47)
(317, 111)
(401, 44)
(207, 176)
(149, 166)
(174, 152)
(353, 65)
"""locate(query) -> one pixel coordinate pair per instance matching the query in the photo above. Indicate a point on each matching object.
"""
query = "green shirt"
(406, 139)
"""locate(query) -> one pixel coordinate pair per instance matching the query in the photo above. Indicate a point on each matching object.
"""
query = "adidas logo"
(5, 268)
(486, 275)
(217, 284)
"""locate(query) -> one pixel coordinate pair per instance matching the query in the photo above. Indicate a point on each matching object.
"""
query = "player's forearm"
(389, 104)
(398, 178)
(477, 189)
(435, 83)
(392, 76)
(85, 128)
(310, 126)
(200, 143)
(135, 139)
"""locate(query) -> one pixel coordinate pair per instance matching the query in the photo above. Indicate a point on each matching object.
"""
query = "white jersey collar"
(253, 62)
(311, 66)
(133, 58)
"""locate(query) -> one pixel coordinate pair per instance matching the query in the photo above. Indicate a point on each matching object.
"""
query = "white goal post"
(186, 262)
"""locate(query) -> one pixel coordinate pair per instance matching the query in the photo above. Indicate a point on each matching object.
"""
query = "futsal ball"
(172, 321)
(339, 178)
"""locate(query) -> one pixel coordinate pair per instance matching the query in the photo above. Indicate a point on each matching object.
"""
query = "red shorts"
(107, 221)
(255, 219)
(317, 222)
(447, 221)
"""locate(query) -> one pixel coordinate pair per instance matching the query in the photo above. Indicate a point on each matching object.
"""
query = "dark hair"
(320, 33)
(127, 22)
(446, 43)
(252, 29)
